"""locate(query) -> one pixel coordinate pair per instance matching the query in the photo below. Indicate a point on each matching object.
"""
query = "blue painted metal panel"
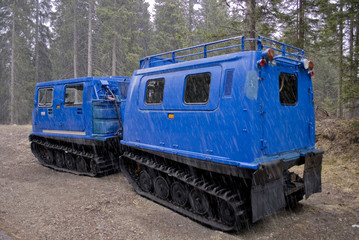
(72, 118)
(176, 80)
(227, 131)
(247, 127)
(286, 128)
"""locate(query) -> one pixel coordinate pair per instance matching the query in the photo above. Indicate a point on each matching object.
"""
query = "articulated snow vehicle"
(210, 131)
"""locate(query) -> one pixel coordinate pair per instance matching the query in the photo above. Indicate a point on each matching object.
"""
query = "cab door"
(286, 108)
(43, 111)
(71, 115)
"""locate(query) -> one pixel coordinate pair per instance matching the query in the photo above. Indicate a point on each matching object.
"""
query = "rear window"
(197, 88)
(288, 89)
(154, 91)
(74, 95)
(123, 89)
(45, 97)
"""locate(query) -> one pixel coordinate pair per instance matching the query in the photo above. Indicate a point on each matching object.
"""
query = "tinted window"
(197, 88)
(123, 89)
(228, 83)
(45, 97)
(74, 95)
(154, 91)
(288, 89)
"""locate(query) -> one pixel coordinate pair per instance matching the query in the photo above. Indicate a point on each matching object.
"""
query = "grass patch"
(354, 124)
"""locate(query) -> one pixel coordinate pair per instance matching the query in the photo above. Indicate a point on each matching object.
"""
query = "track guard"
(313, 172)
(267, 193)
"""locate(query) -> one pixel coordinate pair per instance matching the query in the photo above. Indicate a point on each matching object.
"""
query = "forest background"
(43, 40)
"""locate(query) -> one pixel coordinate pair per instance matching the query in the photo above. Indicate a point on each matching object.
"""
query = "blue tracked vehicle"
(215, 137)
(77, 124)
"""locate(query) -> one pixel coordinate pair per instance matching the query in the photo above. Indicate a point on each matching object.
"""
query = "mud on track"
(39, 203)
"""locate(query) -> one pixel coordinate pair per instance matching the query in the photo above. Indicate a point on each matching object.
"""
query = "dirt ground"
(39, 203)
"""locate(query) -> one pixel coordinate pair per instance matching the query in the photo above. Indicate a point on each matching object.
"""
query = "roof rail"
(203, 50)
(295, 54)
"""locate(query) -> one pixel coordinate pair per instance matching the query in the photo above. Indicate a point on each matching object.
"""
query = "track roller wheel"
(145, 181)
(81, 164)
(161, 188)
(59, 159)
(94, 169)
(41, 153)
(179, 194)
(48, 157)
(70, 161)
(226, 213)
(34, 149)
(199, 202)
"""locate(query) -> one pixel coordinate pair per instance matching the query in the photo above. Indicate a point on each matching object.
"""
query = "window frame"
(46, 105)
(291, 75)
(73, 104)
(185, 89)
(146, 92)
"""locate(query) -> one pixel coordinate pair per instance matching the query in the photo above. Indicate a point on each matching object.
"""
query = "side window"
(197, 88)
(154, 91)
(45, 97)
(74, 95)
(228, 83)
(288, 89)
(123, 89)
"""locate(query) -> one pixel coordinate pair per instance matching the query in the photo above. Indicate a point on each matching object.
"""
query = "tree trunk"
(37, 42)
(190, 20)
(351, 63)
(301, 23)
(356, 64)
(89, 46)
(12, 71)
(114, 56)
(252, 22)
(75, 40)
(340, 70)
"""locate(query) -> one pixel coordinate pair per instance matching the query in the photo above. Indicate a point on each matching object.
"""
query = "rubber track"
(104, 167)
(212, 189)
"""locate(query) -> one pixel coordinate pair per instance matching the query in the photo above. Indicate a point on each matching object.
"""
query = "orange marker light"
(171, 116)
(310, 65)
(58, 106)
(270, 54)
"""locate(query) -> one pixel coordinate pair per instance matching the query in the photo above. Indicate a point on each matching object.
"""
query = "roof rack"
(203, 50)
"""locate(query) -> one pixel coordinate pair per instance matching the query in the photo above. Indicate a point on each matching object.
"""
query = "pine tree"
(350, 85)
(214, 21)
(17, 69)
(170, 25)
(70, 27)
(42, 38)
(122, 36)
(251, 18)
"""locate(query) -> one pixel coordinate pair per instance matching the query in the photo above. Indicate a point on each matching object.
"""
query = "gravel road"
(39, 203)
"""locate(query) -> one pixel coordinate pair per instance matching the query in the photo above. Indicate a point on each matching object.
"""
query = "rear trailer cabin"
(77, 124)
(218, 127)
